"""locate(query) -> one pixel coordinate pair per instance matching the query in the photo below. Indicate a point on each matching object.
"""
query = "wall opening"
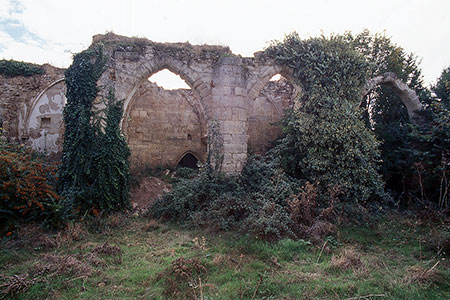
(276, 77)
(162, 115)
(188, 161)
(168, 80)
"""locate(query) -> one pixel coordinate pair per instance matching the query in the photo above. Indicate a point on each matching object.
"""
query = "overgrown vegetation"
(323, 170)
(397, 260)
(432, 148)
(325, 140)
(94, 174)
(321, 177)
(386, 115)
(13, 68)
(27, 191)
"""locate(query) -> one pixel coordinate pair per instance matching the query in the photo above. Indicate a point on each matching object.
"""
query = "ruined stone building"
(170, 127)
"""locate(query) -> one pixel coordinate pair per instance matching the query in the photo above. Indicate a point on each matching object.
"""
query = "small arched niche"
(188, 161)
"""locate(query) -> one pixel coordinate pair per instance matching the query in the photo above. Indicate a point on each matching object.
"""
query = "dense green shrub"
(27, 188)
(325, 140)
(12, 68)
(253, 202)
(94, 174)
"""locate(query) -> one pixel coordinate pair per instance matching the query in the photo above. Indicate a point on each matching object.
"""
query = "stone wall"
(43, 125)
(18, 96)
(267, 110)
(163, 126)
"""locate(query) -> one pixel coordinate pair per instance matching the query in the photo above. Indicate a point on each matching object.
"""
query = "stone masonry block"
(238, 91)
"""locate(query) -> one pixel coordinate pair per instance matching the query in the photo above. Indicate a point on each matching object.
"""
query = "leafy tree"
(432, 151)
(442, 88)
(384, 112)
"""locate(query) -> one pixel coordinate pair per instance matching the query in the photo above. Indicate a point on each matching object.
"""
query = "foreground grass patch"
(135, 261)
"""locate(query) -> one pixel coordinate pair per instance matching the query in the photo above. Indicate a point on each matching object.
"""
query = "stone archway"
(267, 101)
(193, 98)
(162, 123)
(407, 95)
(266, 110)
(224, 86)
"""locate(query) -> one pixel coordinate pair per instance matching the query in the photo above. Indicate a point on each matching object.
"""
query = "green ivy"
(94, 174)
(325, 139)
(13, 68)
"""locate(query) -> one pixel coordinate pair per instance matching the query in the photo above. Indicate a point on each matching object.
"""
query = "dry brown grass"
(348, 258)
(107, 249)
(15, 285)
(52, 264)
(419, 274)
(31, 236)
(182, 280)
(73, 232)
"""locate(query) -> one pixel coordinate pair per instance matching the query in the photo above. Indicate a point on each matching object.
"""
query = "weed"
(182, 278)
(348, 258)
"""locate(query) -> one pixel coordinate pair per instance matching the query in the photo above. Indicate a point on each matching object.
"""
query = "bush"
(261, 201)
(27, 190)
(431, 153)
(12, 68)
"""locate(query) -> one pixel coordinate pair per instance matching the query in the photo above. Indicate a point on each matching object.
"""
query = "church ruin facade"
(170, 127)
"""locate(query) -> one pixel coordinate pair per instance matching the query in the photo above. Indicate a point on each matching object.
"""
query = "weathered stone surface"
(22, 101)
(163, 126)
(266, 111)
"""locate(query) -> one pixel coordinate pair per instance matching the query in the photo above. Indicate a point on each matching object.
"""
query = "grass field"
(135, 258)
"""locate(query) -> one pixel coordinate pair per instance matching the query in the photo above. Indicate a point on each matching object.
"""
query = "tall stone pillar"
(229, 108)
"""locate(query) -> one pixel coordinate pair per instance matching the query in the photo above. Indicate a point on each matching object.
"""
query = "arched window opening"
(188, 161)
(168, 80)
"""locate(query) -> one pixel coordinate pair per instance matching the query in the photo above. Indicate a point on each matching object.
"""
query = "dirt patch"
(150, 189)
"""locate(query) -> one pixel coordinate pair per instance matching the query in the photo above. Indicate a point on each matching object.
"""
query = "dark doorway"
(188, 161)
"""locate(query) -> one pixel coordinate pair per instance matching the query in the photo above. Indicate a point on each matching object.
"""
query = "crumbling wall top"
(177, 50)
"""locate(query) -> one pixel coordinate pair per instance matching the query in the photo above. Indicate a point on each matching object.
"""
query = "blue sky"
(49, 31)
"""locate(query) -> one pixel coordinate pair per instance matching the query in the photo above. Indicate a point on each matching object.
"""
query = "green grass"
(240, 267)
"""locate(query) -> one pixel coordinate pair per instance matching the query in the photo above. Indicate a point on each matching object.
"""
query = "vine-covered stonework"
(94, 172)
